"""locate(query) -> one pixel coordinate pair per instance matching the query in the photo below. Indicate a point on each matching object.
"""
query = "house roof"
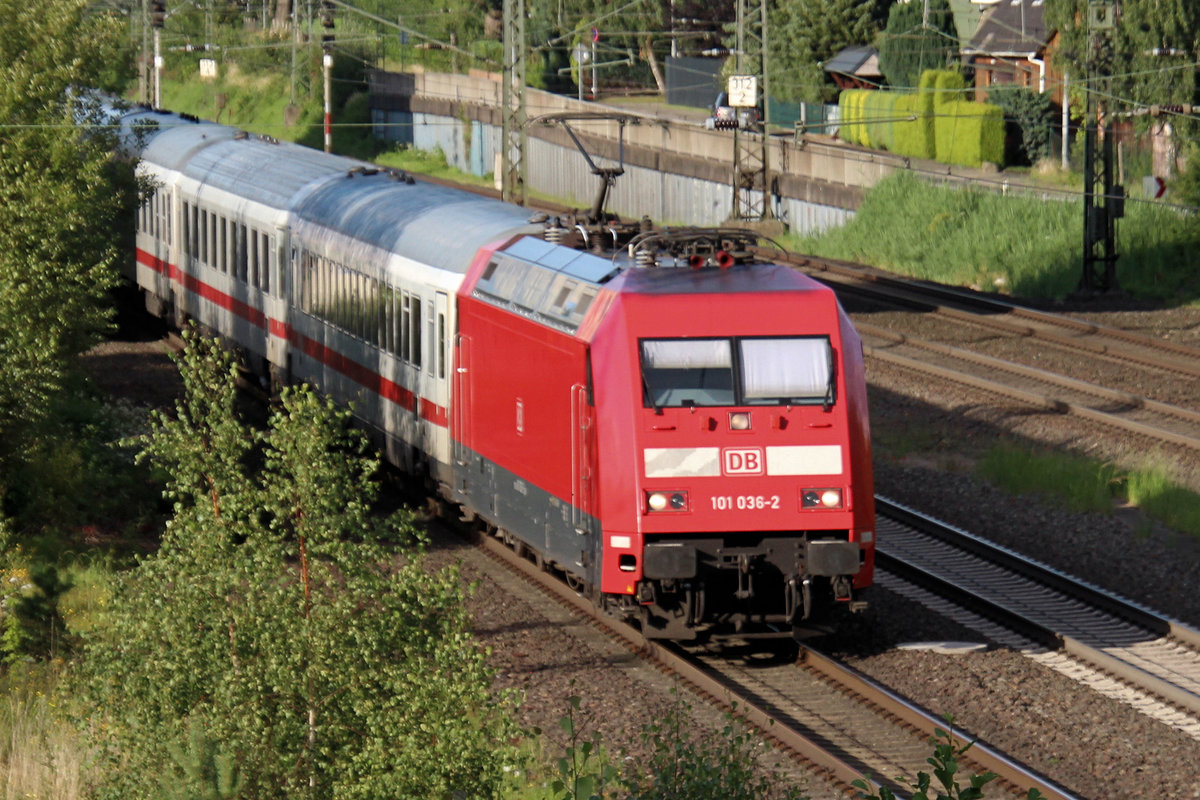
(966, 18)
(1009, 28)
(859, 61)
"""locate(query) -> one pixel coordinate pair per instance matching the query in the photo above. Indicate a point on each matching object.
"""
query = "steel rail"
(1016, 776)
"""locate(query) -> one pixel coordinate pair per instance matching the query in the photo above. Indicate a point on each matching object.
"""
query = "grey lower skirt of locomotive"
(747, 585)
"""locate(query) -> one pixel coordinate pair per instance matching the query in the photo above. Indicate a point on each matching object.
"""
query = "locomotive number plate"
(745, 502)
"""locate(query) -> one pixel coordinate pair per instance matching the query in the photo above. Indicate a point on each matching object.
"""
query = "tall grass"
(1011, 244)
(1088, 485)
(41, 754)
(1082, 483)
(1152, 490)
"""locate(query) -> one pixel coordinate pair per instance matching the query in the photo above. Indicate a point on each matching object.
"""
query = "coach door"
(460, 402)
(436, 395)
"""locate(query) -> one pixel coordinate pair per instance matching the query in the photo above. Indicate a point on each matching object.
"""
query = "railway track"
(1038, 387)
(993, 313)
(831, 719)
(1033, 608)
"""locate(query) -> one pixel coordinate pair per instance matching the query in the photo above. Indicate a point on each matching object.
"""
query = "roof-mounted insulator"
(554, 232)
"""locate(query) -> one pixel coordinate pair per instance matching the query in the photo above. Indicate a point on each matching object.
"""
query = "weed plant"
(1152, 490)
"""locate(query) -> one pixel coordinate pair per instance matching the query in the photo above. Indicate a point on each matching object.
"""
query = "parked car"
(726, 117)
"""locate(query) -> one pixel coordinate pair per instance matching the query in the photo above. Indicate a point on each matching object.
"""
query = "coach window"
(441, 346)
(187, 242)
(266, 257)
(214, 241)
(206, 237)
(252, 257)
(194, 240)
(378, 317)
(793, 370)
(415, 333)
(239, 249)
(405, 325)
(356, 302)
(687, 372)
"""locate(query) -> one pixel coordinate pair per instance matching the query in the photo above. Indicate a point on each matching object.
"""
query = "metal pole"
(158, 68)
(328, 62)
(1066, 121)
(143, 71)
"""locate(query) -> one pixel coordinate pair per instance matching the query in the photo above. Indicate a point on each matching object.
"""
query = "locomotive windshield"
(724, 372)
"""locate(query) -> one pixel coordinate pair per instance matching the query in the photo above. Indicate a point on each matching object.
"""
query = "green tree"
(1148, 58)
(909, 46)
(281, 617)
(806, 33)
(58, 246)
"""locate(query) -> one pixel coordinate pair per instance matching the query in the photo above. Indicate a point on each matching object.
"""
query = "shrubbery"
(281, 629)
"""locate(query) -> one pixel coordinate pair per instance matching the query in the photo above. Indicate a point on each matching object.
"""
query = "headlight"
(667, 501)
(821, 498)
(739, 421)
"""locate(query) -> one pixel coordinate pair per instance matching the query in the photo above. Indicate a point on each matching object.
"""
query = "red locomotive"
(679, 428)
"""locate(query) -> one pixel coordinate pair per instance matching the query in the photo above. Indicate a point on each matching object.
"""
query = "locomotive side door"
(582, 463)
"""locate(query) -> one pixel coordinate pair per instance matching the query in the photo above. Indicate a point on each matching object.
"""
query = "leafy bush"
(279, 618)
(684, 764)
(1029, 124)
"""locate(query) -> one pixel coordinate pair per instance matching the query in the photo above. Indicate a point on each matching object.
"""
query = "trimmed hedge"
(945, 126)
(965, 133)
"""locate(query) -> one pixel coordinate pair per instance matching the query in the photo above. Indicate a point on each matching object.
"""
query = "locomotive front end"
(751, 498)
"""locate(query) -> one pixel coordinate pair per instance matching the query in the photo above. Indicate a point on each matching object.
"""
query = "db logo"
(745, 461)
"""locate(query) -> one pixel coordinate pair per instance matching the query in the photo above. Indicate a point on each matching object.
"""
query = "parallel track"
(1040, 388)
(1141, 648)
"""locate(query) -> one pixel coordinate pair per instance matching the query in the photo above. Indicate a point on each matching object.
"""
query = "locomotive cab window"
(687, 372)
(728, 372)
(795, 371)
